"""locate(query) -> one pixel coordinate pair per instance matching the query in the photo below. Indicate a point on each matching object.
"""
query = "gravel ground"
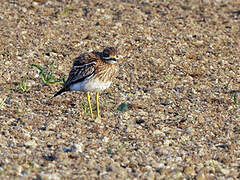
(179, 84)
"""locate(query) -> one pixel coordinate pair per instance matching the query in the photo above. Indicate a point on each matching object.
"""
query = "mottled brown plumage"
(87, 67)
(92, 72)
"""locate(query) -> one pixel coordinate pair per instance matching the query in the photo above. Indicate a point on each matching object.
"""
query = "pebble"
(67, 149)
(201, 176)
(78, 147)
(225, 171)
(189, 171)
(98, 120)
(17, 169)
(176, 174)
(31, 143)
(157, 132)
(50, 176)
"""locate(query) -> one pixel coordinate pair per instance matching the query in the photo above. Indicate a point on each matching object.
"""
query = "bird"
(92, 72)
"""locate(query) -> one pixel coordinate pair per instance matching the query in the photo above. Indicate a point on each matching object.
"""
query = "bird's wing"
(83, 67)
(79, 73)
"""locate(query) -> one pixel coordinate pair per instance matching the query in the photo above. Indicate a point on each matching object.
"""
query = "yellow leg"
(89, 103)
(97, 101)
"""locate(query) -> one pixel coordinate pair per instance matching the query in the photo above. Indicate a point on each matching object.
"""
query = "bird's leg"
(89, 103)
(97, 102)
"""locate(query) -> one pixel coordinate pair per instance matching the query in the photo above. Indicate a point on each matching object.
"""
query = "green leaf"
(52, 77)
(2, 102)
(43, 78)
(46, 74)
(37, 66)
(235, 100)
(23, 85)
(84, 107)
(122, 107)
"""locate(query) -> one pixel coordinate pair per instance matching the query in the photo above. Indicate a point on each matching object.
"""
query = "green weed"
(65, 11)
(46, 74)
(109, 150)
(169, 78)
(23, 85)
(2, 102)
(86, 109)
(235, 99)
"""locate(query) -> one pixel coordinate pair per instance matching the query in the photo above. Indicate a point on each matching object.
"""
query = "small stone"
(175, 174)
(17, 169)
(157, 132)
(98, 120)
(158, 165)
(168, 101)
(50, 176)
(199, 43)
(165, 171)
(225, 171)
(201, 176)
(67, 149)
(78, 147)
(30, 83)
(105, 139)
(200, 166)
(64, 134)
(167, 142)
(189, 171)
(178, 159)
(30, 143)
(190, 130)
(150, 175)
(51, 126)
(157, 90)
(24, 9)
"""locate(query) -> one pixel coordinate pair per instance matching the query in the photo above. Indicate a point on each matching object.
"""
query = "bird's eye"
(106, 53)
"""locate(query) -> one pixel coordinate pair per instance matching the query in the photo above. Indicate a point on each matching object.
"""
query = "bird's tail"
(60, 92)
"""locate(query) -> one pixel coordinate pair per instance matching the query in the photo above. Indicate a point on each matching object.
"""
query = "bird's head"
(110, 55)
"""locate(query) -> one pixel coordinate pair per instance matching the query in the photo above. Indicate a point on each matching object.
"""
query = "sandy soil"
(179, 80)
